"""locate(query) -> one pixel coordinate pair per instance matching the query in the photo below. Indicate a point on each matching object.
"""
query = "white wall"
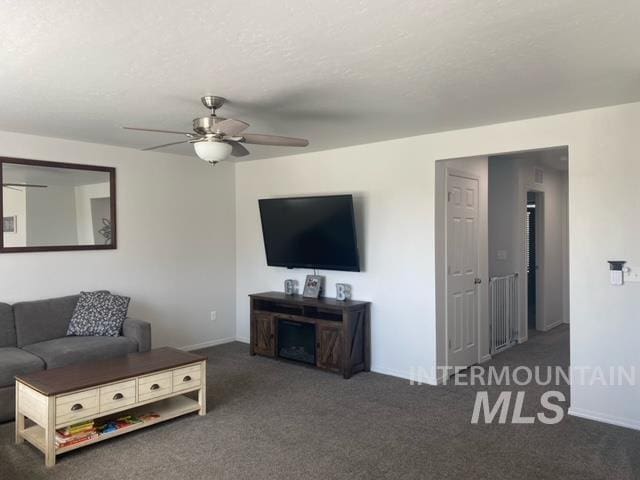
(388, 198)
(176, 250)
(396, 180)
(504, 220)
(51, 216)
(566, 308)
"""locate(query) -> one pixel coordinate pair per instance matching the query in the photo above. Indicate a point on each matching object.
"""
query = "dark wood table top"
(311, 302)
(90, 374)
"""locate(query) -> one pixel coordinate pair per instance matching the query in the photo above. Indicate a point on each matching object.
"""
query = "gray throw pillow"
(98, 314)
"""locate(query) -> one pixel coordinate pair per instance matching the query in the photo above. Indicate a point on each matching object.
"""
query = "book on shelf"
(81, 432)
(75, 439)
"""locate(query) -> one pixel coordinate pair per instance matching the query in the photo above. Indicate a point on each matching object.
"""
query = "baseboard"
(404, 375)
(552, 326)
(210, 343)
(485, 358)
(242, 339)
(604, 418)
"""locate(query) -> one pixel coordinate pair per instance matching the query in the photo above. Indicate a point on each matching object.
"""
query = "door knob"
(477, 281)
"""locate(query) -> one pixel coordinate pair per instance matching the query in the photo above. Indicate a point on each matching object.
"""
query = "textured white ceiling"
(337, 72)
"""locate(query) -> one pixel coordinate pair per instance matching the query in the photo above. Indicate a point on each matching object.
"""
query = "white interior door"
(462, 270)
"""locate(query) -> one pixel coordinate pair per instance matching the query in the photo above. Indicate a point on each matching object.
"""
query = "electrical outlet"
(214, 315)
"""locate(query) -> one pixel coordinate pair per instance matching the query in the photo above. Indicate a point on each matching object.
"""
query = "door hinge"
(449, 344)
(449, 196)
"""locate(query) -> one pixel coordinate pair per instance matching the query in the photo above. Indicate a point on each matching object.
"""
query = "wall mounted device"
(616, 269)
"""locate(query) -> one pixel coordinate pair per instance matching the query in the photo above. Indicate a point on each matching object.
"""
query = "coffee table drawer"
(156, 385)
(118, 395)
(76, 405)
(186, 378)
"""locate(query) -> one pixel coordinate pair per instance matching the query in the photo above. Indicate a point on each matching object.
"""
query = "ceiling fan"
(216, 138)
(15, 186)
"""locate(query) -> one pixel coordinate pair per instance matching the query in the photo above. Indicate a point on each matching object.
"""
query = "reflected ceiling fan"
(215, 138)
(17, 186)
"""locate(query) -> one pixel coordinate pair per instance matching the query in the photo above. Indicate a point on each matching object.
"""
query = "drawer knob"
(118, 396)
(186, 379)
(155, 386)
(76, 407)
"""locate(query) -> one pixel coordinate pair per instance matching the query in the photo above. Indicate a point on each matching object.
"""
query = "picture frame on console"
(313, 286)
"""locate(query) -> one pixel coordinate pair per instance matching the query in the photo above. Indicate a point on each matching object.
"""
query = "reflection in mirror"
(44, 206)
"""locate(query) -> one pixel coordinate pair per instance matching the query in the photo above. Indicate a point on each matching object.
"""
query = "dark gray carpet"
(270, 419)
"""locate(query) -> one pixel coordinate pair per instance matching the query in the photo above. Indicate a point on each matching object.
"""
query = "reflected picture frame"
(111, 171)
(10, 224)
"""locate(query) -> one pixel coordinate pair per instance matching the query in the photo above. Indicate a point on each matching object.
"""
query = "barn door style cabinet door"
(336, 335)
(264, 342)
(329, 347)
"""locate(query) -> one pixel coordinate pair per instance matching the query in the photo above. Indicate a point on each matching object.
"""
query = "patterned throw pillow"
(98, 313)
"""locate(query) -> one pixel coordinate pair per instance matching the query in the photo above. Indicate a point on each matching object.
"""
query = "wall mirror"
(51, 206)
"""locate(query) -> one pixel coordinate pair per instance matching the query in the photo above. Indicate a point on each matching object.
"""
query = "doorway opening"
(535, 209)
(501, 252)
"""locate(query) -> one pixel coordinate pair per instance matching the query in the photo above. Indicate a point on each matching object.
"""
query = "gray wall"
(51, 216)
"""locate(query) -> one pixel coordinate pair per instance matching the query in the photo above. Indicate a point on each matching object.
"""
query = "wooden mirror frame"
(74, 166)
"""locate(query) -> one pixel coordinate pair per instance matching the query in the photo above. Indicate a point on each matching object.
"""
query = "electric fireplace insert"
(297, 341)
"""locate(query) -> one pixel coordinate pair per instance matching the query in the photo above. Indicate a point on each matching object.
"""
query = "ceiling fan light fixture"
(212, 151)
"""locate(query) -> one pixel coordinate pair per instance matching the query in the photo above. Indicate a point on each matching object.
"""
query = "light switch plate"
(501, 254)
(632, 276)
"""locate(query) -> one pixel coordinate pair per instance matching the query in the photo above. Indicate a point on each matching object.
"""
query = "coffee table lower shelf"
(166, 409)
(161, 381)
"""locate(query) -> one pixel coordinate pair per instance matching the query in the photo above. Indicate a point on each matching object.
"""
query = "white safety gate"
(503, 295)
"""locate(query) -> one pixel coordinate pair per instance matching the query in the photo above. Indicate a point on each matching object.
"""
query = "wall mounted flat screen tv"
(310, 232)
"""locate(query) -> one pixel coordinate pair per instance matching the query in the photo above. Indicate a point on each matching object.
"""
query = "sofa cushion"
(99, 313)
(7, 326)
(68, 350)
(14, 361)
(43, 320)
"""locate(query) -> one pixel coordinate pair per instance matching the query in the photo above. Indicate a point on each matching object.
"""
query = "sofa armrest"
(140, 331)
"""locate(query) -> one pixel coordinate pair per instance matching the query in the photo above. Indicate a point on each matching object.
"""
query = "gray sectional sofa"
(33, 338)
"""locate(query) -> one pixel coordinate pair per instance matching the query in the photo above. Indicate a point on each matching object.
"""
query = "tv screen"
(310, 232)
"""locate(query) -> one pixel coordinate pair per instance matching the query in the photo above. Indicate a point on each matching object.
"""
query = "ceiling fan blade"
(158, 131)
(231, 127)
(165, 145)
(259, 139)
(238, 150)
(24, 185)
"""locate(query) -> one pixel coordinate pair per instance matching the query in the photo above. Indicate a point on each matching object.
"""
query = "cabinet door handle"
(155, 386)
(186, 379)
(76, 407)
(118, 396)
